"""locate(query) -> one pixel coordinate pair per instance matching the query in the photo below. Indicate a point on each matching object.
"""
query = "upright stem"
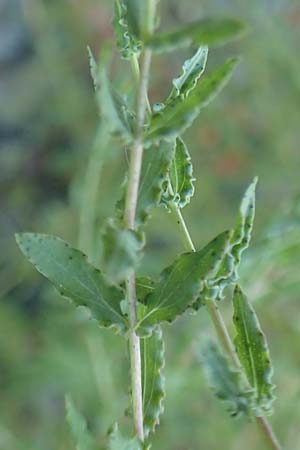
(135, 165)
(221, 330)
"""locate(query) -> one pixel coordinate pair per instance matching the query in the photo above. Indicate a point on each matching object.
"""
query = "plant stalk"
(221, 330)
(135, 166)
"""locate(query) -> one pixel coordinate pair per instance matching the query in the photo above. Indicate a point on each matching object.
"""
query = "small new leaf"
(212, 32)
(181, 283)
(179, 113)
(156, 163)
(118, 442)
(226, 382)
(78, 427)
(153, 382)
(253, 351)
(121, 250)
(74, 277)
(192, 68)
(181, 175)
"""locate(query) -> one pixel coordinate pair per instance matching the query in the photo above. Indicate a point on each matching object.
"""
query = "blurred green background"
(48, 123)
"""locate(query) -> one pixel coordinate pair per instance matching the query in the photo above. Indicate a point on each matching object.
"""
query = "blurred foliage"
(48, 125)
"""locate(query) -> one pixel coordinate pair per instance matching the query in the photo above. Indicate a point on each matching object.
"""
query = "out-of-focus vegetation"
(48, 122)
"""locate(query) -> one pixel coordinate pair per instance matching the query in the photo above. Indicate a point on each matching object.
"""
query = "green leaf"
(94, 69)
(156, 163)
(181, 176)
(226, 382)
(144, 287)
(193, 68)
(181, 283)
(253, 351)
(153, 361)
(136, 13)
(179, 114)
(121, 250)
(114, 109)
(239, 241)
(78, 427)
(212, 32)
(242, 233)
(112, 106)
(127, 43)
(74, 277)
(118, 442)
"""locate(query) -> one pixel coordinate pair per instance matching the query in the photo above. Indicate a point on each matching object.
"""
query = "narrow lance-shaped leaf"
(239, 241)
(226, 382)
(118, 442)
(180, 176)
(74, 277)
(153, 361)
(94, 69)
(112, 106)
(212, 32)
(78, 427)
(121, 250)
(192, 68)
(179, 114)
(136, 16)
(242, 233)
(181, 284)
(253, 351)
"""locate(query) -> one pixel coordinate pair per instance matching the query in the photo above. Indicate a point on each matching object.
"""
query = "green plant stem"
(136, 73)
(221, 330)
(135, 166)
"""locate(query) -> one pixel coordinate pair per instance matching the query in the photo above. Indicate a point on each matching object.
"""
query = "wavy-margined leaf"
(154, 175)
(153, 361)
(74, 277)
(226, 382)
(192, 68)
(239, 241)
(181, 283)
(253, 352)
(78, 427)
(240, 237)
(179, 114)
(156, 163)
(118, 442)
(181, 176)
(242, 232)
(121, 250)
(211, 32)
(124, 25)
